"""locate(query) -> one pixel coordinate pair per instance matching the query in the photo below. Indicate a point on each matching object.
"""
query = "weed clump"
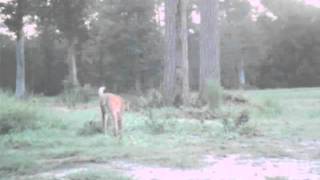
(213, 95)
(72, 96)
(16, 116)
(91, 128)
(158, 122)
(271, 107)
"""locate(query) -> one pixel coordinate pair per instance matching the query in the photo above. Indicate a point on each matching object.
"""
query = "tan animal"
(115, 105)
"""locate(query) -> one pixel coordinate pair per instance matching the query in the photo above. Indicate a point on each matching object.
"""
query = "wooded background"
(123, 44)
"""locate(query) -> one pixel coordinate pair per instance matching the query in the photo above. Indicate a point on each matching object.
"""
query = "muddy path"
(216, 168)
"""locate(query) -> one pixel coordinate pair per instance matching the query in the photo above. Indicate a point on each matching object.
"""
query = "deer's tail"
(101, 91)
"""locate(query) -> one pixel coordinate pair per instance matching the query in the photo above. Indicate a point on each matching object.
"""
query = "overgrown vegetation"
(159, 121)
(16, 116)
(72, 96)
(214, 95)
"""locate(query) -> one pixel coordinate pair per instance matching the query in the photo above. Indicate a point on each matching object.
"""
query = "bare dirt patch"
(215, 168)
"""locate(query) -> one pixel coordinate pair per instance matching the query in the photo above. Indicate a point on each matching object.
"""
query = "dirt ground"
(231, 167)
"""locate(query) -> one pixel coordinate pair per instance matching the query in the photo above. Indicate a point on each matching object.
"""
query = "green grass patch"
(98, 175)
(277, 121)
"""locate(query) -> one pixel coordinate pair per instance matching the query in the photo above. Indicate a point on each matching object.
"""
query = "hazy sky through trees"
(30, 29)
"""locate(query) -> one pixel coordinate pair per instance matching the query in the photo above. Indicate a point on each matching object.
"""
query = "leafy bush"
(16, 116)
(214, 95)
(152, 99)
(159, 122)
(72, 96)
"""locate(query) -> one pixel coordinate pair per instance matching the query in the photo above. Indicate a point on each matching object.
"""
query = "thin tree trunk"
(20, 64)
(73, 74)
(101, 69)
(138, 83)
(169, 80)
(1, 74)
(209, 44)
(242, 75)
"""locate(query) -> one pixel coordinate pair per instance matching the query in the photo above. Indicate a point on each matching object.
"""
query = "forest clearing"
(282, 132)
(194, 89)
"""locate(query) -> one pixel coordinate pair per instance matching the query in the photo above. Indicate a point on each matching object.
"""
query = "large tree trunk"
(184, 50)
(169, 80)
(20, 64)
(73, 74)
(209, 44)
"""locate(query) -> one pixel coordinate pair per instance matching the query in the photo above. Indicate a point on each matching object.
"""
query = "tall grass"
(19, 115)
(16, 116)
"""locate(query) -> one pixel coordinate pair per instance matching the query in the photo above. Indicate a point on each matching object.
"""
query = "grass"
(98, 175)
(281, 118)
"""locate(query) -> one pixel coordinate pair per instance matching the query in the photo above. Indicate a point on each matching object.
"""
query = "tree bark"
(169, 80)
(71, 58)
(138, 83)
(184, 50)
(242, 75)
(20, 65)
(209, 44)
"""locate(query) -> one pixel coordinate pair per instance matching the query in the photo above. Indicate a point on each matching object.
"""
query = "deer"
(115, 105)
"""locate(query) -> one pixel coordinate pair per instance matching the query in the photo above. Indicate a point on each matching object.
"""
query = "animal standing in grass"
(115, 105)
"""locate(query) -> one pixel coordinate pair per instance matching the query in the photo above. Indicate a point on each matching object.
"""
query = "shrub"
(16, 116)
(72, 96)
(213, 95)
(157, 124)
(152, 99)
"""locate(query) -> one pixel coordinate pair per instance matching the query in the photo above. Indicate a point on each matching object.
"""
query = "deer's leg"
(103, 117)
(120, 123)
(115, 123)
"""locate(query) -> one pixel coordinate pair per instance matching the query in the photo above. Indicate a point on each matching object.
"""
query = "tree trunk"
(242, 75)
(138, 83)
(73, 74)
(20, 64)
(184, 50)
(209, 44)
(101, 65)
(169, 80)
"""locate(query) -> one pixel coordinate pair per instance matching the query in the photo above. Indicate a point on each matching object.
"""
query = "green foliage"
(249, 130)
(158, 122)
(91, 128)
(214, 95)
(176, 140)
(73, 96)
(17, 116)
(271, 107)
(19, 163)
(293, 45)
(152, 99)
